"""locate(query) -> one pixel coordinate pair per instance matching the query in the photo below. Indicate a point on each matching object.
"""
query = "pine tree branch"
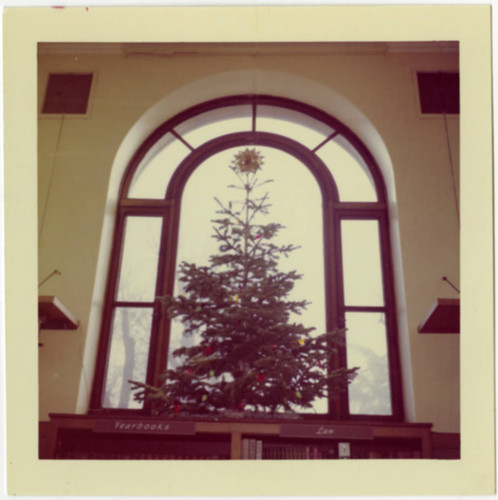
(228, 212)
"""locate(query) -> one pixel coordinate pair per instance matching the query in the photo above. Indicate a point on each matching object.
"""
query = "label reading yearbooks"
(144, 426)
(326, 431)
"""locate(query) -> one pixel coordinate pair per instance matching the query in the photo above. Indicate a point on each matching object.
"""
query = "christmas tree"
(250, 355)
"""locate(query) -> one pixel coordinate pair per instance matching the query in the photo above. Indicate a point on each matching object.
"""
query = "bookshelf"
(54, 315)
(443, 317)
(95, 437)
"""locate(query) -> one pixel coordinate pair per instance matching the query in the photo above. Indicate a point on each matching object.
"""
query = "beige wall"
(76, 155)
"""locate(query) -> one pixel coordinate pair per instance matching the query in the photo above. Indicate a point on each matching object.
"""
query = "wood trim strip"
(236, 446)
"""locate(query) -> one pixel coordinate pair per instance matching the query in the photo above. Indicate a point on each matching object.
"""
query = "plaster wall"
(78, 153)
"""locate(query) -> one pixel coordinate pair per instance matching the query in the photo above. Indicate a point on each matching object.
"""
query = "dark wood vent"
(67, 93)
(439, 92)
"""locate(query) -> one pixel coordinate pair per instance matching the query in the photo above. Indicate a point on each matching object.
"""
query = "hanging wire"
(50, 182)
(55, 271)
(450, 283)
(442, 103)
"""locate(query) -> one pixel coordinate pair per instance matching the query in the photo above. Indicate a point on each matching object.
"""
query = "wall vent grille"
(67, 93)
(439, 92)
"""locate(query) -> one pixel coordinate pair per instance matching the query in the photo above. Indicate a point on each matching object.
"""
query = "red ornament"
(208, 350)
(258, 236)
(177, 408)
(190, 371)
(261, 377)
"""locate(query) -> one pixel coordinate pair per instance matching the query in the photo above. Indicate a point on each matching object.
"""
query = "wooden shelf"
(136, 437)
(443, 317)
(54, 315)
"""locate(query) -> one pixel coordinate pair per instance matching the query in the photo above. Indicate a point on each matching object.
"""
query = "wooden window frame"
(333, 212)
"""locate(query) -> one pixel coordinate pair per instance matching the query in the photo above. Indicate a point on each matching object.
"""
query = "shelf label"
(344, 450)
(143, 426)
(326, 431)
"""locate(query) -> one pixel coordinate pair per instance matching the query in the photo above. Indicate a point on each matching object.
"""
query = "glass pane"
(369, 393)
(155, 170)
(298, 126)
(361, 263)
(128, 355)
(137, 278)
(296, 203)
(349, 171)
(218, 122)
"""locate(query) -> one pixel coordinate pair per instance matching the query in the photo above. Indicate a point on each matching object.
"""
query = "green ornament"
(198, 309)
(204, 397)
(298, 395)
(211, 373)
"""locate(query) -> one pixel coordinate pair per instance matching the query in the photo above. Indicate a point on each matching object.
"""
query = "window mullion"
(132, 303)
(365, 308)
(181, 139)
(164, 286)
(329, 138)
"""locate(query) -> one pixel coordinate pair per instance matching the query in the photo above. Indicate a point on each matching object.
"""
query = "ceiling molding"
(245, 49)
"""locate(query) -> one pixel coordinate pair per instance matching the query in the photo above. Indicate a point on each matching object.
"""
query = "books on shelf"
(258, 449)
(252, 449)
(93, 439)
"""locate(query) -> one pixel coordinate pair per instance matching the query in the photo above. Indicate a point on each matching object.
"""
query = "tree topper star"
(248, 161)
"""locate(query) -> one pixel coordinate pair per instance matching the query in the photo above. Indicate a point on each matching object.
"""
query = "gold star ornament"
(248, 161)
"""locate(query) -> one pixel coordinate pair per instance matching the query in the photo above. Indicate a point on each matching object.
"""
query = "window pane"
(128, 355)
(349, 171)
(137, 279)
(302, 128)
(361, 263)
(155, 170)
(222, 121)
(296, 203)
(366, 343)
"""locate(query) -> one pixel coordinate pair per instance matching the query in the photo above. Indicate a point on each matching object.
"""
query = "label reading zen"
(326, 431)
(143, 426)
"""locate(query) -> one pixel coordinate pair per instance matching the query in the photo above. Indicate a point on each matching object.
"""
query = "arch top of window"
(153, 166)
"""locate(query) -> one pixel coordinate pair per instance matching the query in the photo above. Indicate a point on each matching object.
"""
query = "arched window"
(328, 192)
